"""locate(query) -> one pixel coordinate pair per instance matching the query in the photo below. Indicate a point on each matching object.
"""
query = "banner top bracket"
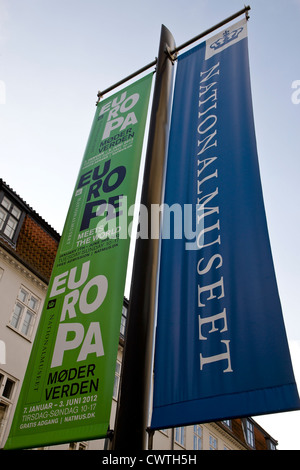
(172, 54)
(247, 8)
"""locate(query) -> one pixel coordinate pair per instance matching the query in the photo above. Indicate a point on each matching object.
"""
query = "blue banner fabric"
(221, 346)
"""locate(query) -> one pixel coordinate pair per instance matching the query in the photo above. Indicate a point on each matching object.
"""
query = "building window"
(78, 446)
(271, 445)
(117, 380)
(123, 321)
(213, 444)
(24, 314)
(3, 416)
(198, 436)
(250, 433)
(7, 388)
(10, 216)
(227, 423)
(180, 435)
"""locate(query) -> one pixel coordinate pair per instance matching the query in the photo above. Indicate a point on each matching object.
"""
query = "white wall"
(17, 347)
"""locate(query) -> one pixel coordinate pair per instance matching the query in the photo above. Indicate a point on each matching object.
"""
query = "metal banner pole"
(133, 410)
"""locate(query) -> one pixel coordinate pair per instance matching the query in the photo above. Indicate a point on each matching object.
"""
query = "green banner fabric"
(67, 390)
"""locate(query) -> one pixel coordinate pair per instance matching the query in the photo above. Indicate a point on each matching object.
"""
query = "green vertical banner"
(67, 390)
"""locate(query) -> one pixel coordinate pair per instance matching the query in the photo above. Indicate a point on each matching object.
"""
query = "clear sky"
(56, 54)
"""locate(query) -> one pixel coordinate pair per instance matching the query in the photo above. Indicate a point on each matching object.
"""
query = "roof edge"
(30, 210)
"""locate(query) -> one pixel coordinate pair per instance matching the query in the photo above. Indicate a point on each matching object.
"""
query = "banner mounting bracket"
(247, 8)
(171, 55)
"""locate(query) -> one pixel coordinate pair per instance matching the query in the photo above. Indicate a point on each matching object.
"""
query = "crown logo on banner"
(228, 36)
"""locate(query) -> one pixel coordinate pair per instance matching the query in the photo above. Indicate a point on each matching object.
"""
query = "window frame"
(18, 320)
(213, 442)
(179, 432)
(82, 445)
(197, 437)
(6, 401)
(271, 445)
(4, 377)
(249, 432)
(227, 423)
(8, 212)
(117, 380)
(123, 321)
(5, 408)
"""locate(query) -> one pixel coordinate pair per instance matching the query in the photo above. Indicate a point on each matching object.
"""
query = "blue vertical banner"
(221, 346)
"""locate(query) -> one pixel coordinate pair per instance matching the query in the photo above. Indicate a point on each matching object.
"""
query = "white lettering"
(218, 357)
(210, 73)
(113, 113)
(85, 301)
(116, 102)
(206, 162)
(92, 342)
(57, 282)
(206, 88)
(214, 175)
(206, 142)
(84, 275)
(111, 125)
(200, 242)
(212, 320)
(200, 131)
(130, 120)
(213, 96)
(69, 305)
(102, 285)
(116, 121)
(60, 280)
(63, 344)
(210, 288)
(132, 100)
(105, 108)
(206, 111)
(209, 264)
